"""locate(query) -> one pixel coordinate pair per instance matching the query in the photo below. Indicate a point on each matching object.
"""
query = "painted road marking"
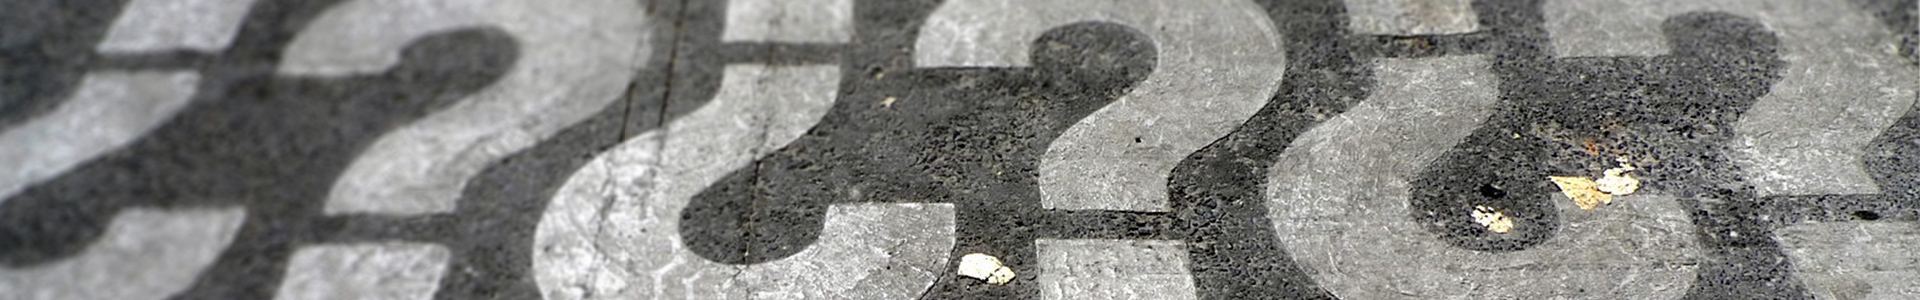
(1412, 17)
(1219, 61)
(109, 110)
(907, 249)
(1113, 269)
(144, 254)
(384, 271)
(1339, 201)
(164, 25)
(1855, 260)
(576, 57)
(1842, 85)
(797, 21)
(613, 230)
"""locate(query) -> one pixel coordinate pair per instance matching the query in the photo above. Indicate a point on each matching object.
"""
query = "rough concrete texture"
(1113, 269)
(855, 149)
(385, 271)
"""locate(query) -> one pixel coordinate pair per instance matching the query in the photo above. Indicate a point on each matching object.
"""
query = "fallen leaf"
(1493, 219)
(1583, 191)
(985, 267)
(1617, 182)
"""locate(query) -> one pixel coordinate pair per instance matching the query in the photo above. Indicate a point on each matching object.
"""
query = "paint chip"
(985, 267)
(1493, 219)
(1617, 182)
(888, 102)
(1584, 192)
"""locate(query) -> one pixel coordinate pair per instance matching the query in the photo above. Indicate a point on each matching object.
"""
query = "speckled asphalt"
(856, 149)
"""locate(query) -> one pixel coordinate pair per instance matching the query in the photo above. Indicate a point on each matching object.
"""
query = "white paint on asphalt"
(1114, 269)
(1219, 62)
(797, 21)
(1855, 260)
(613, 230)
(165, 25)
(109, 110)
(576, 57)
(1412, 17)
(1843, 83)
(1339, 199)
(144, 254)
(382, 271)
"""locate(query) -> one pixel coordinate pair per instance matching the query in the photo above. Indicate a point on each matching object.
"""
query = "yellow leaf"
(1618, 182)
(1492, 218)
(1582, 190)
(985, 267)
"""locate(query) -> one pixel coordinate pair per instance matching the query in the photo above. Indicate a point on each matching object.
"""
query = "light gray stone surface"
(1412, 17)
(1113, 269)
(165, 25)
(1855, 260)
(800, 21)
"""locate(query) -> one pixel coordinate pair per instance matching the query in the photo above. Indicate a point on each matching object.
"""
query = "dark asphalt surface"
(972, 137)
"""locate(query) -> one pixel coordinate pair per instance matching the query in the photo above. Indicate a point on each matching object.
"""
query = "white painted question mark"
(113, 108)
(1338, 198)
(144, 253)
(577, 57)
(1843, 85)
(1219, 62)
(613, 229)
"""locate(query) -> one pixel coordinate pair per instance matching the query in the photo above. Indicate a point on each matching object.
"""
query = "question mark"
(1219, 61)
(113, 108)
(1842, 84)
(577, 57)
(1842, 87)
(1339, 198)
(144, 253)
(614, 230)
